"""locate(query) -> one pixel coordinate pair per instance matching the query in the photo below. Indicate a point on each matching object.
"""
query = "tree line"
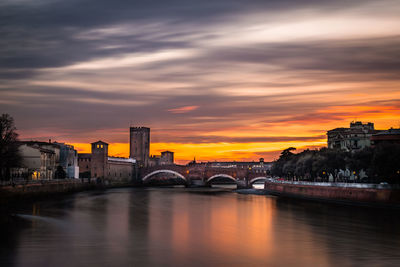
(9, 153)
(380, 163)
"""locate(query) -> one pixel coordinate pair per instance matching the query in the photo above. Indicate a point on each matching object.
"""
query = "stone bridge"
(202, 174)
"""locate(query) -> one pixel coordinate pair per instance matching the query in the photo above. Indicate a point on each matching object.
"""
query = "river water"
(195, 227)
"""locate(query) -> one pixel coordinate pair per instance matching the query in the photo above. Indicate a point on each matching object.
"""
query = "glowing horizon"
(218, 81)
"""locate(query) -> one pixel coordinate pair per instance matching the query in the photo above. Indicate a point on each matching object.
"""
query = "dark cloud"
(45, 33)
(40, 39)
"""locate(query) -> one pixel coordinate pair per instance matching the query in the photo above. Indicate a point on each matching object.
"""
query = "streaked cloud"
(217, 79)
(185, 109)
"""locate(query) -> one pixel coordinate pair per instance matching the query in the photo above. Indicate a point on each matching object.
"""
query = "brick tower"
(99, 159)
(139, 145)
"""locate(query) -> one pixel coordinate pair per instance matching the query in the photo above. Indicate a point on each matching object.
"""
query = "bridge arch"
(221, 175)
(164, 171)
(260, 178)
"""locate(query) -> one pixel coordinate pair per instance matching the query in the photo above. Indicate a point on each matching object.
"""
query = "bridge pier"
(197, 183)
(243, 184)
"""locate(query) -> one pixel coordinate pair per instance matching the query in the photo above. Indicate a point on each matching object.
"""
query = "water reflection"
(196, 227)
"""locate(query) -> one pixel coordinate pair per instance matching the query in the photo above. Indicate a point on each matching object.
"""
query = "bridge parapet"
(200, 172)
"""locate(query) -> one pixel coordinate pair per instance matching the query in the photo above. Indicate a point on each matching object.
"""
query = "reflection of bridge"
(202, 174)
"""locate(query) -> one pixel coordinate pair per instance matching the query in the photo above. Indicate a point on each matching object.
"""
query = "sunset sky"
(215, 80)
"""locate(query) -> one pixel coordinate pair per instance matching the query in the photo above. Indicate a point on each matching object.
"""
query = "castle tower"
(139, 144)
(99, 159)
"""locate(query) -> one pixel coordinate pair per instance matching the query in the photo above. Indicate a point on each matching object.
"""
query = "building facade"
(391, 136)
(139, 145)
(167, 158)
(154, 160)
(98, 164)
(84, 162)
(68, 160)
(358, 136)
(41, 159)
(37, 163)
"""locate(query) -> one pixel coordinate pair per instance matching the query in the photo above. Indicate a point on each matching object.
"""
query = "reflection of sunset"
(255, 222)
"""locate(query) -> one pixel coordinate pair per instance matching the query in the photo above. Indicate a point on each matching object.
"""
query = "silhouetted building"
(99, 165)
(167, 158)
(139, 144)
(85, 165)
(99, 159)
(254, 166)
(391, 136)
(358, 136)
(154, 160)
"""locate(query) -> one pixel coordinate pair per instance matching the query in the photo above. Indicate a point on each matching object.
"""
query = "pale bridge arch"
(260, 178)
(164, 171)
(221, 175)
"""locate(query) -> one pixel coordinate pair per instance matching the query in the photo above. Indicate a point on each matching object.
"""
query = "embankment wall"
(352, 194)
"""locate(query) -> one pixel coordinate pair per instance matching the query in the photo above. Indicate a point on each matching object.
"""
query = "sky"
(215, 80)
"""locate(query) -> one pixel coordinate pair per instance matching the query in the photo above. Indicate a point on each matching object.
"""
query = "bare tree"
(9, 153)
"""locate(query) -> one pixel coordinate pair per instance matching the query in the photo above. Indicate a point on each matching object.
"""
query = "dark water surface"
(192, 227)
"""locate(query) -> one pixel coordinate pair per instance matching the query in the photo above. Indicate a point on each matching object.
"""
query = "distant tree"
(303, 169)
(279, 168)
(287, 153)
(9, 153)
(385, 163)
(381, 163)
(362, 160)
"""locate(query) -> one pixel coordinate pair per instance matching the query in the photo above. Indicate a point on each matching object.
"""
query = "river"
(195, 227)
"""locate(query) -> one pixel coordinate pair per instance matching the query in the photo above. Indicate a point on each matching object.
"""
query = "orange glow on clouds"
(183, 109)
(314, 125)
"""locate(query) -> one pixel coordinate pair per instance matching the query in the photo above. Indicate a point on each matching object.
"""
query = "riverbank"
(50, 188)
(378, 195)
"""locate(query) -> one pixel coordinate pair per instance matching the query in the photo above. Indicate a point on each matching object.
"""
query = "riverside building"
(358, 136)
(98, 164)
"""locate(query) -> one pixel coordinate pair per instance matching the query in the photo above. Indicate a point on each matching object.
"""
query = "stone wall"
(45, 188)
(120, 172)
(352, 194)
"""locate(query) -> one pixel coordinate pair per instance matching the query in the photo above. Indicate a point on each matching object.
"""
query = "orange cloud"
(184, 109)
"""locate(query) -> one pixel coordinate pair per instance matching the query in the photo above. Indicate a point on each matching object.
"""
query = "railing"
(21, 181)
(344, 185)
